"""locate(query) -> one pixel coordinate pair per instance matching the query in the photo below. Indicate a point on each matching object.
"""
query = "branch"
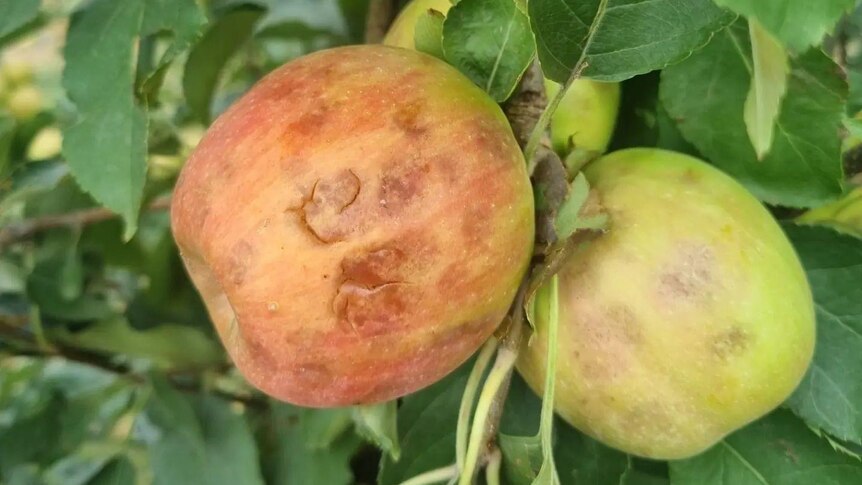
(380, 16)
(25, 345)
(27, 228)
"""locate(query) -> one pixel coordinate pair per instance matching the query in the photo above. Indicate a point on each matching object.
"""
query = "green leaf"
(843, 215)
(15, 14)
(168, 346)
(426, 429)
(522, 458)
(293, 460)
(579, 458)
(223, 40)
(799, 24)
(118, 472)
(321, 427)
(777, 450)
(830, 397)
(706, 95)
(7, 134)
(618, 39)
(197, 440)
(291, 17)
(378, 423)
(106, 147)
(768, 85)
(429, 33)
(489, 41)
(185, 21)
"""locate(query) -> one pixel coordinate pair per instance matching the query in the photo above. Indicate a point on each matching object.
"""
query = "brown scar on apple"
(730, 343)
(240, 257)
(371, 297)
(322, 212)
(614, 333)
(407, 118)
(690, 276)
(402, 183)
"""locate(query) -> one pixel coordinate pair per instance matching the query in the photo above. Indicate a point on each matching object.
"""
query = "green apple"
(25, 102)
(587, 115)
(689, 318)
(46, 145)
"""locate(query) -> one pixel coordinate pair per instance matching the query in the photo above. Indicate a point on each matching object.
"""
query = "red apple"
(358, 224)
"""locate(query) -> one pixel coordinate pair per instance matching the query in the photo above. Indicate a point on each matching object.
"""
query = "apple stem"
(545, 119)
(546, 426)
(469, 398)
(492, 470)
(434, 476)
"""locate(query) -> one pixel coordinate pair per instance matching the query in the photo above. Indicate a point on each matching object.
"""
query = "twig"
(27, 228)
(380, 16)
(177, 377)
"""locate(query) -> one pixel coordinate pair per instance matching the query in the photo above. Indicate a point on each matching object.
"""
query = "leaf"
(7, 134)
(426, 429)
(776, 450)
(522, 458)
(768, 85)
(118, 472)
(618, 39)
(15, 14)
(318, 16)
(489, 41)
(570, 217)
(830, 397)
(167, 346)
(429, 33)
(197, 440)
(106, 147)
(185, 21)
(321, 427)
(223, 40)
(579, 459)
(292, 460)
(706, 93)
(843, 215)
(799, 24)
(378, 423)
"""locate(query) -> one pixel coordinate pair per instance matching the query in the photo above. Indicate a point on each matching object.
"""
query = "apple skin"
(587, 114)
(688, 319)
(358, 224)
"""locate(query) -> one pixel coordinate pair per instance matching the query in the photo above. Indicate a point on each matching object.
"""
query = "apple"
(357, 224)
(25, 102)
(46, 145)
(689, 318)
(586, 116)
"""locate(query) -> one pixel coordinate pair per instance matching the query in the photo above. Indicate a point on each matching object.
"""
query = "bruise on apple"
(357, 224)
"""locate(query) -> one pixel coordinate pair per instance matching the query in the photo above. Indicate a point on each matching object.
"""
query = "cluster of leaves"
(109, 370)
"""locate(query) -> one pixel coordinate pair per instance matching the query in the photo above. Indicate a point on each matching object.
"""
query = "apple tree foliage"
(109, 369)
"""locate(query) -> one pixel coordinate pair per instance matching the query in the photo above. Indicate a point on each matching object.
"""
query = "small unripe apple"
(25, 102)
(46, 145)
(16, 72)
(688, 319)
(585, 118)
(357, 224)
